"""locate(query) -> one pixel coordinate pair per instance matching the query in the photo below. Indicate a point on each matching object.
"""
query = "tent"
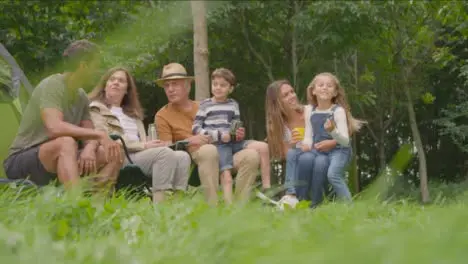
(15, 90)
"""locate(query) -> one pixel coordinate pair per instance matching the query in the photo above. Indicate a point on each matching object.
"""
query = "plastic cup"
(300, 130)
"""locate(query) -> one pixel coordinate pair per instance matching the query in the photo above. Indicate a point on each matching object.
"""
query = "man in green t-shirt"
(56, 117)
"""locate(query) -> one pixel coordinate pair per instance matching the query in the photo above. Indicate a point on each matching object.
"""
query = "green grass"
(66, 228)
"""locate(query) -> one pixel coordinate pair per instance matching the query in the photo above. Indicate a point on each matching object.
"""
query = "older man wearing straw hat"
(174, 122)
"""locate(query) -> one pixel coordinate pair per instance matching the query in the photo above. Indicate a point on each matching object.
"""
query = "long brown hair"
(130, 103)
(276, 118)
(354, 125)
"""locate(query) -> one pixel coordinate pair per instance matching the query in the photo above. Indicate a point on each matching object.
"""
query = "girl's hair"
(130, 104)
(354, 125)
(276, 118)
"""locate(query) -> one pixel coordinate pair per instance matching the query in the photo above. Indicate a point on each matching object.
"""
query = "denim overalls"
(339, 156)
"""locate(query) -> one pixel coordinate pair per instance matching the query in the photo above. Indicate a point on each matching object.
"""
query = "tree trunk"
(250, 118)
(465, 170)
(200, 50)
(423, 184)
(294, 44)
(354, 172)
(381, 146)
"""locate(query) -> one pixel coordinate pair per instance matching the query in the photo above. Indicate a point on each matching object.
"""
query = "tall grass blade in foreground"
(389, 175)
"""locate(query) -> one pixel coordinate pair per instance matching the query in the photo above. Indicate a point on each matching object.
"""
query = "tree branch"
(372, 133)
(311, 44)
(252, 49)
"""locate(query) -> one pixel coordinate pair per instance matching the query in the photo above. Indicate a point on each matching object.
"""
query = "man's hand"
(225, 137)
(155, 144)
(325, 145)
(240, 134)
(111, 148)
(199, 140)
(87, 160)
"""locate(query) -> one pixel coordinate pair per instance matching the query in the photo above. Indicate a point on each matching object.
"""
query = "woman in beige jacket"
(116, 109)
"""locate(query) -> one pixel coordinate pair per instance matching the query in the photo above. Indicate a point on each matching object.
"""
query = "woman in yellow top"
(116, 109)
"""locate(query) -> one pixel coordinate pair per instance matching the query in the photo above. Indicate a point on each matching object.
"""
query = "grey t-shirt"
(50, 93)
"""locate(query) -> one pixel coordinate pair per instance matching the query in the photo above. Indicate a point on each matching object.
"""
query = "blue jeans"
(291, 179)
(339, 159)
(226, 152)
(312, 169)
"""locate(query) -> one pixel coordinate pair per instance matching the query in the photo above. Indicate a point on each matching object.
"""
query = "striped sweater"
(214, 118)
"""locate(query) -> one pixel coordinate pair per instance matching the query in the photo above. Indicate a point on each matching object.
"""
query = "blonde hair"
(354, 125)
(276, 118)
(130, 103)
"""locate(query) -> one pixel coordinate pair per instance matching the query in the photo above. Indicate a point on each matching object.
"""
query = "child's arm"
(308, 132)
(198, 127)
(340, 133)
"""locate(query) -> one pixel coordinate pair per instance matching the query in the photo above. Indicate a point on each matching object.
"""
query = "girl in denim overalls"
(328, 117)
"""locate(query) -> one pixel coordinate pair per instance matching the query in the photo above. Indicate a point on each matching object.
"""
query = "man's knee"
(248, 157)
(262, 148)
(66, 145)
(50, 151)
(182, 157)
(160, 153)
(207, 152)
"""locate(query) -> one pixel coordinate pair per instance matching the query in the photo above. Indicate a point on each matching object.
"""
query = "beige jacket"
(105, 120)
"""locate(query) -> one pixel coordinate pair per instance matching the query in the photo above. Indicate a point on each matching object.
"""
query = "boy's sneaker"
(288, 201)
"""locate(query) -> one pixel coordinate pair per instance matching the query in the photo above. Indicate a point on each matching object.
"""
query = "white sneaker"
(289, 201)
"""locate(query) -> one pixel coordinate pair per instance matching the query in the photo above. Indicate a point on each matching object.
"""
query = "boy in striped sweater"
(214, 118)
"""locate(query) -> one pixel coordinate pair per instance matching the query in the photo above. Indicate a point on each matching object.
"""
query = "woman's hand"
(87, 160)
(111, 148)
(155, 144)
(305, 148)
(295, 137)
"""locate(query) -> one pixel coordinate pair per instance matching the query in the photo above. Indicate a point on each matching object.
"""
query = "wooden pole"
(200, 50)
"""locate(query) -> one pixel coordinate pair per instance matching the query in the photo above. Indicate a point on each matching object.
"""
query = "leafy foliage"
(365, 43)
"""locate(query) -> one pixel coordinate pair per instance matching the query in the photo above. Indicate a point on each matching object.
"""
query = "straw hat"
(173, 71)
